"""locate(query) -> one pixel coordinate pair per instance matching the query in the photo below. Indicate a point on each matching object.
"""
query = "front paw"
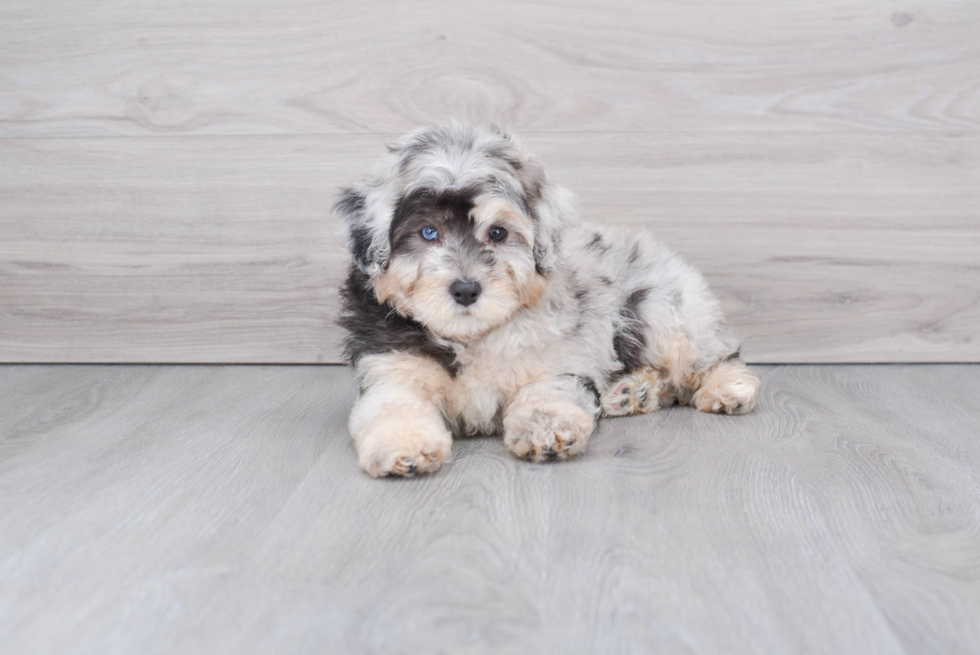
(391, 449)
(539, 429)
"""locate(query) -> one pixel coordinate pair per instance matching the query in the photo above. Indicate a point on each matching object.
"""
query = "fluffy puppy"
(476, 303)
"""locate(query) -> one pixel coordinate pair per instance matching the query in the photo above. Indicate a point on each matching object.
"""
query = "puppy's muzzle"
(465, 292)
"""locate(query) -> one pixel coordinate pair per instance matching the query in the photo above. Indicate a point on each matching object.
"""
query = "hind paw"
(638, 392)
(728, 389)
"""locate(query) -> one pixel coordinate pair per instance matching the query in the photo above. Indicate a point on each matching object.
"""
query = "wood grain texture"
(852, 248)
(298, 66)
(166, 169)
(220, 510)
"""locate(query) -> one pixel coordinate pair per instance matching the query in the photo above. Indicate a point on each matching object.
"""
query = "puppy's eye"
(430, 233)
(497, 233)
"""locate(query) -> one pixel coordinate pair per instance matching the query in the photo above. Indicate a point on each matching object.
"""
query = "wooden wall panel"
(166, 169)
(135, 67)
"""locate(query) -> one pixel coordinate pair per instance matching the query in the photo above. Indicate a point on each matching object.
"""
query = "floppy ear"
(368, 248)
(551, 206)
(555, 208)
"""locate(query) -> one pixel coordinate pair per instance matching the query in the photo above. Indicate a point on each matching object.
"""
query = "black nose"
(465, 292)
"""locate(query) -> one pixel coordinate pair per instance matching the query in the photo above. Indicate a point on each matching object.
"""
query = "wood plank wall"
(166, 169)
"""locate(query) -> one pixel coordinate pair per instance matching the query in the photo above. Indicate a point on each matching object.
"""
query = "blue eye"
(430, 233)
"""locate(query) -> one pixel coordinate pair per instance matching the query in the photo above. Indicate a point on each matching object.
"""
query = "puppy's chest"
(487, 379)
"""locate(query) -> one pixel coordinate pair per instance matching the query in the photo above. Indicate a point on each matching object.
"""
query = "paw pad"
(636, 393)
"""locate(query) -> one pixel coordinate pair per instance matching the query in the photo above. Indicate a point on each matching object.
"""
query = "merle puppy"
(477, 303)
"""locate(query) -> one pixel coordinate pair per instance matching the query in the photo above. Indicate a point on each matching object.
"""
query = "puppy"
(477, 304)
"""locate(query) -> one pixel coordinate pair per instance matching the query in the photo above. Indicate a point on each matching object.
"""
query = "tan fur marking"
(417, 292)
(729, 387)
(531, 293)
(422, 374)
(676, 360)
(397, 283)
(495, 211)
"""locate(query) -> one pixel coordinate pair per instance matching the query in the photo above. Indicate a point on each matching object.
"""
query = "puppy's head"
(457, 229)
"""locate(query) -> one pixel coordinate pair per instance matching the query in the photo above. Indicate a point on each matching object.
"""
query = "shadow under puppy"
(476, 303)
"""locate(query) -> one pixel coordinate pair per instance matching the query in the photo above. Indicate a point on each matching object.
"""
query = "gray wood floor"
(166, 169)
(220, 510)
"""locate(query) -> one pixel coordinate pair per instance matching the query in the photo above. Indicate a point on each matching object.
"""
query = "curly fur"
(571, 321)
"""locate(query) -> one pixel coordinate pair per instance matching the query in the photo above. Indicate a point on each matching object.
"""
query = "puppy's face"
(461, 261)
(457, 228)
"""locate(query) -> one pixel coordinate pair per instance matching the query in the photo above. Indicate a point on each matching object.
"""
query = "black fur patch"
(583, 302)
(374, 328)
(447, 211)
(350, 203)
(589, 385)
(634, 253)
(580, 291)
(629, 340)
(360, 242)
(596, 243)
(499, 151)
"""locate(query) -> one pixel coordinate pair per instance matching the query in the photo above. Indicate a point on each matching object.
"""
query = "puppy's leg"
(397, 423)
(673, 323)
(637, 392)
(551, 419)
(704, 376)
(729, 388)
